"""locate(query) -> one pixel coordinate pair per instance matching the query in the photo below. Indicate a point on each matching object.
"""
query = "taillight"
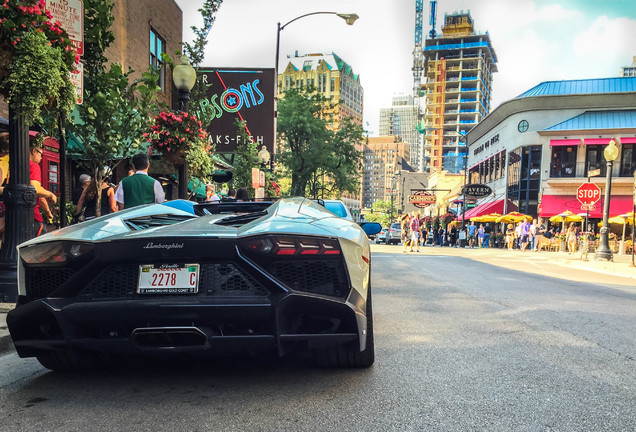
(275, 245)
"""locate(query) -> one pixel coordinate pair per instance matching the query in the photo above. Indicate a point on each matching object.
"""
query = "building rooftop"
(312, 61)
(625, 119)
(578, 87)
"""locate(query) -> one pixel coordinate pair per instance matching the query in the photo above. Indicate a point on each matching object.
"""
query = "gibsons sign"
(240, 94)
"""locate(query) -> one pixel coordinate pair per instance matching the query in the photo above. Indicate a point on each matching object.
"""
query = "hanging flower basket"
(181, 139)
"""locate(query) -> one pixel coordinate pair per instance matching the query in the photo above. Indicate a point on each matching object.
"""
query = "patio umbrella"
(492, 217)
(512, 217)
(624, 219)
(566, 216)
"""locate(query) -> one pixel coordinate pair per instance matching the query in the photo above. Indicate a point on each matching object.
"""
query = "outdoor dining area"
(555, 240)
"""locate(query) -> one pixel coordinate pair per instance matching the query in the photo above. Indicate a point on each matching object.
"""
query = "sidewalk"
(553, 264)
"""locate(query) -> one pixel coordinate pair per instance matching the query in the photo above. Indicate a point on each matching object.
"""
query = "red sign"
(588, 193)
(588, 207)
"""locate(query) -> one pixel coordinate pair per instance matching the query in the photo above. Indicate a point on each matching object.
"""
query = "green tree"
(113, 117)
(384, 212)
(245, 159)
(311, 149)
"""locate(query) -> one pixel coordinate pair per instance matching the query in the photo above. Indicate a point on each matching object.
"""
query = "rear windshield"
(395, 226)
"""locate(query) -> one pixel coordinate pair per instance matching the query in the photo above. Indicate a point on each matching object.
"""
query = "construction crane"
(418, 57)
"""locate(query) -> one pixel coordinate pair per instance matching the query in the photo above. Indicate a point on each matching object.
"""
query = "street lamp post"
(19, 198)
(184, 77)
(604, 252)
(349, 18)
(633, 217)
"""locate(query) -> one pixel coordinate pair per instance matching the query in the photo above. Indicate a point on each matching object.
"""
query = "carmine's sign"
(243, 94)
(422, 199)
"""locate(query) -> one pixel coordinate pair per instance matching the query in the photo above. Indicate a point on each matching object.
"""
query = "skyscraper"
(401, 119)
(459, 67)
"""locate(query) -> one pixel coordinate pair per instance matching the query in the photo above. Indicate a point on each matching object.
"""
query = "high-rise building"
(384, 157)
(459, 67)
(329, 75)
(401, 120)
(629, 71)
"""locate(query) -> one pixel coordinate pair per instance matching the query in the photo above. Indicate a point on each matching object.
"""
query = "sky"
(535, 40)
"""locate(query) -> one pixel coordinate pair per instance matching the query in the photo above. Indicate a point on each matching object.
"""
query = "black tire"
(64, 361)
(347, 358)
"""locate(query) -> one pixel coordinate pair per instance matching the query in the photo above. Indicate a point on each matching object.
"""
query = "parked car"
(205, 279)
(395, 234)
(381, 237)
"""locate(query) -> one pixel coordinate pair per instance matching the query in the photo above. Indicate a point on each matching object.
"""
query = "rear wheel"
(347, 358)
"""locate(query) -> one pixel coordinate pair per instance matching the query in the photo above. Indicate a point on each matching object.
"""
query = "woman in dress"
(510, 236)
(570, 237)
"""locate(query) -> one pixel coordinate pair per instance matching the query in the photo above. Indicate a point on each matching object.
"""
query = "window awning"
(596, 141)
(628, 140)
(555, 204)
(565, 142)
(485, 208)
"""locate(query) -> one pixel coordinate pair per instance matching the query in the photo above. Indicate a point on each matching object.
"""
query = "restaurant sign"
(422, 199)
(476, 190)
(234, 96)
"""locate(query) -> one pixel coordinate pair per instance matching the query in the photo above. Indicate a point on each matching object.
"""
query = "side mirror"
(371, 228)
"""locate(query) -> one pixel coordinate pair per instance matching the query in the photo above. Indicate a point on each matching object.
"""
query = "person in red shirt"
(35, 175)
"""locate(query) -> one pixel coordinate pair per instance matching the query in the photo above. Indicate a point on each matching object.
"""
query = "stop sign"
(588, 193)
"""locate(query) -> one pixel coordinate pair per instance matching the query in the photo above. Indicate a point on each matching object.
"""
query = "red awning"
(486, 208)
(596, 141)
(555, 204)
(628, 140)
(565, 142)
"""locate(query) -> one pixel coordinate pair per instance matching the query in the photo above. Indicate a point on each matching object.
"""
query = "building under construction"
(458, 72)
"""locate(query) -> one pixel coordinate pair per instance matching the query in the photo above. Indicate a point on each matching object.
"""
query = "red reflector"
(365, 259)
(309, 252)
(285, 251)
(332, 252)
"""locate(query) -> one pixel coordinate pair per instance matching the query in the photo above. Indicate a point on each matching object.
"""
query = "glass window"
(563, 162)
(594, 158)
(157, 48)
(628, 160)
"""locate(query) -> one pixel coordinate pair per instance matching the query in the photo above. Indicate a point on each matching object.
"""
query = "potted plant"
(36, 56)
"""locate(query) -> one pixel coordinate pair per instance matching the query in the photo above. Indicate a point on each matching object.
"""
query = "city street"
(461, 345)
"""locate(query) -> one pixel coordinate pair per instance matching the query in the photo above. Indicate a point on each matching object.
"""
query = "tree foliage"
(311, 150)
(384, 212)
(245, 158)
(113, 117)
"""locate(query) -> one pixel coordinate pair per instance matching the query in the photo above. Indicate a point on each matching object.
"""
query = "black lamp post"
(19, 198)
(184, 77)
(604, 252)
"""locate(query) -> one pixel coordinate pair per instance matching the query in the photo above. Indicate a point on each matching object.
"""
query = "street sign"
(588, 193)
(594, 173)
(588, 207)
(476, 190)
(77, 79)
(469, 206)
(70, 13)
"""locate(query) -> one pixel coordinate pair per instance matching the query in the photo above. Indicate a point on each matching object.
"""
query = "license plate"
(168, 279)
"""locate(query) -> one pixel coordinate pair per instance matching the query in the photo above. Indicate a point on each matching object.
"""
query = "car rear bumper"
(185, 325)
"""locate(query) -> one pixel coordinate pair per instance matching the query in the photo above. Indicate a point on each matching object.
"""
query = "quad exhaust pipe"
(169, 337)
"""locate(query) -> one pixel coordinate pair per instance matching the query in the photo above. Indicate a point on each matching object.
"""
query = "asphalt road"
(461, 345)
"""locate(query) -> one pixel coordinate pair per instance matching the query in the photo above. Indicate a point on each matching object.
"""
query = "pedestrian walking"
(480, 235)
(472, 230)
(487, 233)
(139, 188)
(43, 195)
